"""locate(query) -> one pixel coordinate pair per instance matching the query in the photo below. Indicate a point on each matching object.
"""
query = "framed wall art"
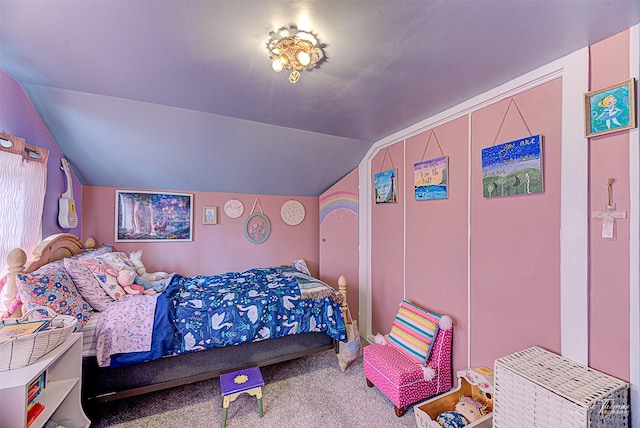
(257, 226)
(385, 184)
(210, 215)
(233, 208)
(513, 168)
(610, 109)
(430, 179)
(153, 216)
(292, 212)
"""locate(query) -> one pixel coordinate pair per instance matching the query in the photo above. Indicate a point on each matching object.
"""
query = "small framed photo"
(610, 109)
(210, 215)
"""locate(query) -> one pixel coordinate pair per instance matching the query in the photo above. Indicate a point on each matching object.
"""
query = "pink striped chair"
(405, 382)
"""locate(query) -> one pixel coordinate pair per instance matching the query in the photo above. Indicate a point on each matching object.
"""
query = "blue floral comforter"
(201, 312)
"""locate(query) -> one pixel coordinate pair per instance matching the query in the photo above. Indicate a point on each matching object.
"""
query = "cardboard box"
(475, 383)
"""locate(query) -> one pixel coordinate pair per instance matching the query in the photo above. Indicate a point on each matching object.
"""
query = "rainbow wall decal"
(339, 200)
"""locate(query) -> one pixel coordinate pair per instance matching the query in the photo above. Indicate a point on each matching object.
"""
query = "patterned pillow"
(414, 331)
(52, 286)
(301, 266)
(87, 284)
(105, 275)
(118, 260)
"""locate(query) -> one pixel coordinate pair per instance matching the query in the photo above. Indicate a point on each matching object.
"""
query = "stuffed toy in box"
(470, 405)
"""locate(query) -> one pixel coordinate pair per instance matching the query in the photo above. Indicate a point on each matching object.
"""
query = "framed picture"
(610, 109)
(153, 216)
(257, 228)
(385, 184)
(210, 215)
(430, 179)
(513, 168)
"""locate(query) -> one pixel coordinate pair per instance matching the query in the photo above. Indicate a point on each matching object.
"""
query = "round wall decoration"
(233, 208)
(257, 228)
(292, 212)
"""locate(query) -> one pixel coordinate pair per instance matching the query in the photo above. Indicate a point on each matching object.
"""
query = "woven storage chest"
(537, 388)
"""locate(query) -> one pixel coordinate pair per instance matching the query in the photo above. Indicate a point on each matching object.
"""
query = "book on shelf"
(36, 387)
(33, 411)
(22, 328)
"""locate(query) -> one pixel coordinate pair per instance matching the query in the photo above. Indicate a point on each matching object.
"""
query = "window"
(23, 181)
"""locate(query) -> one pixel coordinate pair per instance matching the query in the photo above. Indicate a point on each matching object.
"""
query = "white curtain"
(23, 182)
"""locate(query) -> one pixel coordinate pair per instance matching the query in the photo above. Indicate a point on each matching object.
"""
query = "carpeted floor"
(307, 392)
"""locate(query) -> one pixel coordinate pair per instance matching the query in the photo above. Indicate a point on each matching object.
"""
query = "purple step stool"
(235, 383)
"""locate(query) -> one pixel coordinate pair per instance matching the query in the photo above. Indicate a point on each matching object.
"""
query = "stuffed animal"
(136, 259)
(466, 411)
(133, 284)
(126, 280)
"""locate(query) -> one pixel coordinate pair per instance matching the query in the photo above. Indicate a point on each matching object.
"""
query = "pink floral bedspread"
(125, 326)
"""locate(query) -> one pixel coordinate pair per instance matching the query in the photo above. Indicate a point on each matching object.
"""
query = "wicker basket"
(538, 388)
(21, 351)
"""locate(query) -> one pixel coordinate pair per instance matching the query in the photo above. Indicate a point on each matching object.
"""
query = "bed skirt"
(102, 384)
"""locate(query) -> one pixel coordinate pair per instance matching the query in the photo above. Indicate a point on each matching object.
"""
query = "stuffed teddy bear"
(466, 411)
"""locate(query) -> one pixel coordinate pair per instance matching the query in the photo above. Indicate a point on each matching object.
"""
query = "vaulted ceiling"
(180, 95)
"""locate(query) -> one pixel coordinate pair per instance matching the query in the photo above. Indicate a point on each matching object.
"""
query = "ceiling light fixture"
(294, 50)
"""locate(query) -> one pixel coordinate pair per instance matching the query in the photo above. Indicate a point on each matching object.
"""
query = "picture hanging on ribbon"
(257, 226)
(513, 168)
(385, 183)
(386, 186)
(430, 179)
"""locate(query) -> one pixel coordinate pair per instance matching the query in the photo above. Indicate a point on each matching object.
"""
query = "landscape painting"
(430, 179)
(513, 168)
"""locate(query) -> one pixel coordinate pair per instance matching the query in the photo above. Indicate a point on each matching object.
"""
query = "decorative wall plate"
(257, 228)
(292, 212)
(233, 208)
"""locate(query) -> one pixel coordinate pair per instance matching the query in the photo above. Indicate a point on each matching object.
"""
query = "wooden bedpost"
(89, 243)
(17, 259)
(342, 288)
(346, 314)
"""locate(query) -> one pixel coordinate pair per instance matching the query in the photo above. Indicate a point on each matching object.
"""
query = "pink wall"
(215, 248)
(387, 244)
(339, 236)
(419, 249)
(515, 244)
(437, 232)
(514, 252)
(18, 117)
(609, 275)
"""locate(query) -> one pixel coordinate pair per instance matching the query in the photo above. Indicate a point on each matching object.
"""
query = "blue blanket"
(202, 312)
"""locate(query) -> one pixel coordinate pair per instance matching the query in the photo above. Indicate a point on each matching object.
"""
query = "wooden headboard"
(54, 247)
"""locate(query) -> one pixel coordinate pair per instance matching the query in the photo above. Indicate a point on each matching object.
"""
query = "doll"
(466, 411)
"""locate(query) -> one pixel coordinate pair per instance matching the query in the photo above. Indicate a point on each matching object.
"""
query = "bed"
(186, 356)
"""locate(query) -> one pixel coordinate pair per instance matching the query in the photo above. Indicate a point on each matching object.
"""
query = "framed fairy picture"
(610, 109)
